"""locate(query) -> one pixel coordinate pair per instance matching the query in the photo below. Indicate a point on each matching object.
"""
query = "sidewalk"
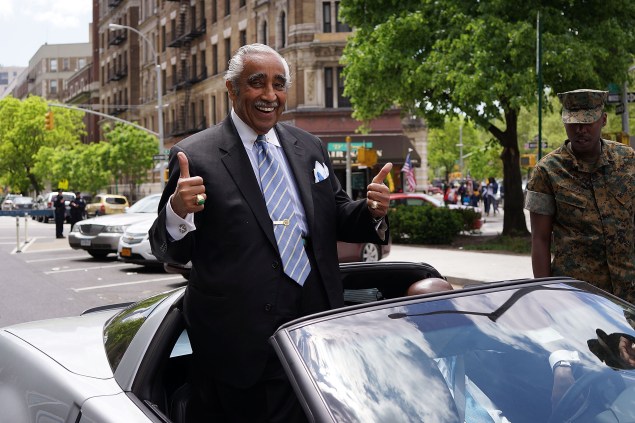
(469, 267)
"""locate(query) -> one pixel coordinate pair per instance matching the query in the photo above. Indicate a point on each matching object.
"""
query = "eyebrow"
(261, 75)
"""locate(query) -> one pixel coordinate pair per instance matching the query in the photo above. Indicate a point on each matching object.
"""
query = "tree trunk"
(514, 222)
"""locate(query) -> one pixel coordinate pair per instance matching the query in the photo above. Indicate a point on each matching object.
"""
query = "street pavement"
(462, 267)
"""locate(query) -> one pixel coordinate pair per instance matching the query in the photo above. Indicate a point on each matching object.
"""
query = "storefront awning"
(390, 148)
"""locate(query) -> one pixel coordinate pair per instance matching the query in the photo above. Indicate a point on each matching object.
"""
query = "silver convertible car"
(450, 356)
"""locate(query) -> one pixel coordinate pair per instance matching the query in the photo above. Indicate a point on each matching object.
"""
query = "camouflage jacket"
(593, 209)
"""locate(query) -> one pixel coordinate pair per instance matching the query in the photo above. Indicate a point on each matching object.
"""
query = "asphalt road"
(42, 277)
(45, 278)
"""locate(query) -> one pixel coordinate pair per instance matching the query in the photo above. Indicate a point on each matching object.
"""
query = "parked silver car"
(100, 235)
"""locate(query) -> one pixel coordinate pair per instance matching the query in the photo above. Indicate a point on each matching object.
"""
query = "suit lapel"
(236, 161)
(297, 157)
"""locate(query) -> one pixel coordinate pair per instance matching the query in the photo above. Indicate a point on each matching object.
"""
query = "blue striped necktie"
(285, 223)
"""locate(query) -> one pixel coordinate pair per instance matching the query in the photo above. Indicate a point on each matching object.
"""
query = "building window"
(340, 26)
(283, 30)
(4, 78)
(328, 87)
(263, 34)
(66, 64)
(228, 52)
(203, 64)
(163, 38)
(326, 17)
(214, 8)
(341, 100)
(53, 65)
(213, 110)
(227, 7)
(215, 59)
(331, 14)
(53, 86)
(243, 37)
(334, 88)
(242, 3)
(227, 107)
(82, 63)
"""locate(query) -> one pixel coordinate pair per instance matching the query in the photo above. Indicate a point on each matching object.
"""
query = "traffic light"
(166, 174)
(49, 122)
(367, 156)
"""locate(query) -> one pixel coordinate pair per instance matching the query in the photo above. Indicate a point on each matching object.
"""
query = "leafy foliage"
(424, 225)
(443, 58)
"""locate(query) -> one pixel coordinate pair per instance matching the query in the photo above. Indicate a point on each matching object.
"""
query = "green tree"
(446, 57)
(22, 135)
(130, 154)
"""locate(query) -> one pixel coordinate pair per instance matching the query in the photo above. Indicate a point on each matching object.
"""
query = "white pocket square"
(321, 172)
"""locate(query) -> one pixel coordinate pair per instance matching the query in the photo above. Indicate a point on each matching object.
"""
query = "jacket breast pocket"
(571, 204)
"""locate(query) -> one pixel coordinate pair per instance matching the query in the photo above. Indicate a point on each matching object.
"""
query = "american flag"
(409, 174)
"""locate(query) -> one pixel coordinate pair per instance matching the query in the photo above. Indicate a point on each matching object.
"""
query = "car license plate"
(125, 252)
(85, 242)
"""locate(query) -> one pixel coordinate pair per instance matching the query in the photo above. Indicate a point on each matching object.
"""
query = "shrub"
(424, 225)
(469, 217)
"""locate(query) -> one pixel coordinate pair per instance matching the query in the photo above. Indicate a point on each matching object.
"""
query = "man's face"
(262, 92)
(585, 137)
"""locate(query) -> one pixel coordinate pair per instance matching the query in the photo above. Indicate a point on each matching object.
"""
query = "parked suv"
(103, 204)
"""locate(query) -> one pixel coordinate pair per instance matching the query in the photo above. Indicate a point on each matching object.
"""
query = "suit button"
(275, 264)
(268, 307)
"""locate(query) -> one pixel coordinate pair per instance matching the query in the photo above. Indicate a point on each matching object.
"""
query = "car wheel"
(98, 254)
(370, 252)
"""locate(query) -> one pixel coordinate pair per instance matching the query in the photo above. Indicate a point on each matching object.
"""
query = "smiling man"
(256, 207)
(584, 194)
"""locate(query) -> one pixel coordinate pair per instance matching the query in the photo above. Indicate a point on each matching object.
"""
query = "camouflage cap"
(582, 106)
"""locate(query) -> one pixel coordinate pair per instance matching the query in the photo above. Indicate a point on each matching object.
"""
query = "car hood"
(76, 343)
(142, 226)
(118, 219)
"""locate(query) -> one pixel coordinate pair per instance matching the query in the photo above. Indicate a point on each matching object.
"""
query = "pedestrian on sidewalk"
(582, 194)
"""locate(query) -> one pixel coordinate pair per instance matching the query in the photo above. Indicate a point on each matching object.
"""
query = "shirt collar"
(248, 135)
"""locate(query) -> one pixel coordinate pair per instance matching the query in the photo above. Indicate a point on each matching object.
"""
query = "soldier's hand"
(189, 192)
(378, 195)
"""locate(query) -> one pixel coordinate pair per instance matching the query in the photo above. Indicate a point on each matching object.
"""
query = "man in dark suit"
(60, 214)
(213, 212)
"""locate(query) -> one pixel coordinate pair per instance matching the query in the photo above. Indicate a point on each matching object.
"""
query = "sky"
(25, 25)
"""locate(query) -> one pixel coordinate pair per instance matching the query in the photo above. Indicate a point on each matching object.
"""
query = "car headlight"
(115, 229)
(75, 228)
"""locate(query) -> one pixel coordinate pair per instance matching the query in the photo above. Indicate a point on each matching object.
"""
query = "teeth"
(266, 109)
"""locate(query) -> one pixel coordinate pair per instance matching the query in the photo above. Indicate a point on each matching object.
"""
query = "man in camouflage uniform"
(583, 193)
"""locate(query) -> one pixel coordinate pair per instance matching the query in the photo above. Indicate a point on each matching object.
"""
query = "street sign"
(619, 109)
(531, 145)
(616, 98)
(160, 157)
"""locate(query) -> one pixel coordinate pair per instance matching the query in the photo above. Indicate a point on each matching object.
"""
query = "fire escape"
(190, 25)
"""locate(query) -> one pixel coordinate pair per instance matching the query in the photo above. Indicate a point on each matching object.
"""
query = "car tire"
(98, 254)
(370, 252)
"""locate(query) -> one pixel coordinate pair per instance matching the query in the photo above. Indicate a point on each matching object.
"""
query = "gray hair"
(237, 62)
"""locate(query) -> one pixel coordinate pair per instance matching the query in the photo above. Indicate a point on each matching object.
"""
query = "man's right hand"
(184, 200)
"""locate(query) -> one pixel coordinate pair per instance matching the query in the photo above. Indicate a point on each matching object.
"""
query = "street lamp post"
(157, 67)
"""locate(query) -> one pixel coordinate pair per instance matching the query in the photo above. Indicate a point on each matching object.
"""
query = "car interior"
(161, 382)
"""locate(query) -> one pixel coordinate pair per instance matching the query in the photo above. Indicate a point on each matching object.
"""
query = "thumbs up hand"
(378, 195)
(189, 196)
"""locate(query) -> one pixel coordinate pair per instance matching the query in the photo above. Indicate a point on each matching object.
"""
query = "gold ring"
(200, 200)
(374, 204)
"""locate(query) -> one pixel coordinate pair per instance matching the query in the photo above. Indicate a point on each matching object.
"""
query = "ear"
(230, 90)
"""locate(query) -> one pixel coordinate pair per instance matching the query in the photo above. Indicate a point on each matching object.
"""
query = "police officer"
(60, 214)
(584, 193)
(78, 206)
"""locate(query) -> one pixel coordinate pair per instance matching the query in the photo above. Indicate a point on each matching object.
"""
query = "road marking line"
(83, 269)
(88, 288)
(57, 258)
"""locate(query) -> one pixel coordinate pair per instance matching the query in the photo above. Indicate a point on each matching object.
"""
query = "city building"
(183, 48)
(8, 75)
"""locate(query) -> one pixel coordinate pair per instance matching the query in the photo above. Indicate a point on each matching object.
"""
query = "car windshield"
(149, 204)
(400, 363)
(121, 329)
(22, 200)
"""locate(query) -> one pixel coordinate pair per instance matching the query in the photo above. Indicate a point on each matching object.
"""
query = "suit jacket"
(233, 300)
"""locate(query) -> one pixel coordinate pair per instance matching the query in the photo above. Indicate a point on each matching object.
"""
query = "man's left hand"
(378, 195)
